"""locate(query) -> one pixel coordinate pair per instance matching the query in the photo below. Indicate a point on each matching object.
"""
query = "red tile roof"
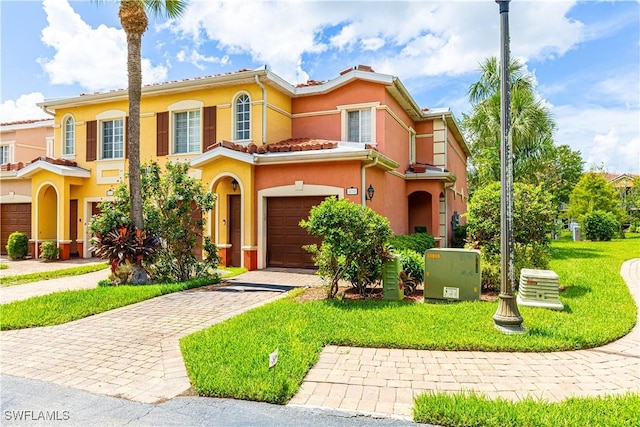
(291, 144)
(20, 165)
(25, 122)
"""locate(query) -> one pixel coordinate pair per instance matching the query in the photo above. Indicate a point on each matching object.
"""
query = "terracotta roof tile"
(25, 122)
(20, 165)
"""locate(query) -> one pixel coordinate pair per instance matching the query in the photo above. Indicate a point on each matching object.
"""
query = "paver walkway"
(133, 351)
(386, 381)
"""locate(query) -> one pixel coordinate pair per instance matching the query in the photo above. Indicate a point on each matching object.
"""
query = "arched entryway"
(421, 212)
(226, 225)
(46, 214)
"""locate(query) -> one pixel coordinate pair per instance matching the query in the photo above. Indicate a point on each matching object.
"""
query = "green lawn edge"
(476, 410)
(230, 359)
(62, 307)
(22, 279)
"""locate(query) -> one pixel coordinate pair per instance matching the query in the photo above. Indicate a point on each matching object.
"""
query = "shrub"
(17, 245)
(353, 246)
(412, 269)
(412, 264)
(459, 236)
(533, 220)
(600, 225)
(533, 216)
(49, 251)
(418, 242)
(533, 255)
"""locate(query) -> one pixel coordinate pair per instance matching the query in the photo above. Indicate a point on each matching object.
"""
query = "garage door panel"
(14, 217)
(285, 238)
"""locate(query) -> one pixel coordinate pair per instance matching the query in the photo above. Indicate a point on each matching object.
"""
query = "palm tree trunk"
(134, 69)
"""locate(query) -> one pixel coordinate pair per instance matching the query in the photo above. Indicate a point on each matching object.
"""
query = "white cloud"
(602, 135)
(94, 58)
(197, 59)
(411, 39)
(24, 108)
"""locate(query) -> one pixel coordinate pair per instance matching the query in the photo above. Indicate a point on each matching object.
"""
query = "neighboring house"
(623, 184)
(269, 151)
(20, 143)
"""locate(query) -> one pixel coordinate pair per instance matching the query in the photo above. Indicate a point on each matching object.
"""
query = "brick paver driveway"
(133, 351)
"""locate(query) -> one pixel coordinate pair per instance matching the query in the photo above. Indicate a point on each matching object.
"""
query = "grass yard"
(62, 307)
(230, 359)
(47, 275)
(470, 409)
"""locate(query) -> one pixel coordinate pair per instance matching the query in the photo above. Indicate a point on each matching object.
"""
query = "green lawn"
(473, 410)
(62, 307)
(47, 275)
(230, 359)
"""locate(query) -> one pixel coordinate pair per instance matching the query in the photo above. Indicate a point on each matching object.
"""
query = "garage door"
(285, 237)
(14, 217)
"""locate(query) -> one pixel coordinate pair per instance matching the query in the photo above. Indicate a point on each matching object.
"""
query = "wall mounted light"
(110, 192)
(370, 192)
(234, 185)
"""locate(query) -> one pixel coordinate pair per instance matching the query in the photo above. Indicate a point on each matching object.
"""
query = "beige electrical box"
(452, 274)
(539, 288)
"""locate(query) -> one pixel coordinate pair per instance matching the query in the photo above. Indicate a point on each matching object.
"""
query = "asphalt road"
(27, 402)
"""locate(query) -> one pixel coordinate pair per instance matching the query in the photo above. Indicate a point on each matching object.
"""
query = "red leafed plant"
(125, 244)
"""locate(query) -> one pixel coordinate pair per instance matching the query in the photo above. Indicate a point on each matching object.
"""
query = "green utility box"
(452, 274)
(391, 283)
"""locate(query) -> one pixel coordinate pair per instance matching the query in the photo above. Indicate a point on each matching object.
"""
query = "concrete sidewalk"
(385, 381)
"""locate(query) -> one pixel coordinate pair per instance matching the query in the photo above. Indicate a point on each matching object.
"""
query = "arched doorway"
(46, 214)
(420, 212)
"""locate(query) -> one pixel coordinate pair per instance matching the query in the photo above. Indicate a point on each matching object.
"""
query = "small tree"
(353, 246)
(170, 199)
(594, 193)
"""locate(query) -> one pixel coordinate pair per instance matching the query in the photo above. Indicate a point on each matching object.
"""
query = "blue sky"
(585, 55)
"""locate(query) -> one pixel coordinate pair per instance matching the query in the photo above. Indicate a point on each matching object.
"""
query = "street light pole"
(507, 318)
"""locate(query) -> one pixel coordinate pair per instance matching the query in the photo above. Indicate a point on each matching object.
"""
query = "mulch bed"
(318, 293)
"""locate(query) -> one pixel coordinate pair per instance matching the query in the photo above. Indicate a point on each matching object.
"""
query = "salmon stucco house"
(269, 150)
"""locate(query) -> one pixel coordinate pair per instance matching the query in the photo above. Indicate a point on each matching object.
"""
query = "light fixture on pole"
(370, 193)
(507, 317)
(234, 185)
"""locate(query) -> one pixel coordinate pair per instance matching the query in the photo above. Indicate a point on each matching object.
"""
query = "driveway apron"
(133, 352)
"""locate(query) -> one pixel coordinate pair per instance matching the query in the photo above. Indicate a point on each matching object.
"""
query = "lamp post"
(507, 317)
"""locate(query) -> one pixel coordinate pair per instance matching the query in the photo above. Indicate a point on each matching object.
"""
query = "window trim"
(182, 107)
(65, 153)
(110, 116)
(234, 117)
(344, 116)
(9, 147)
(412, 145)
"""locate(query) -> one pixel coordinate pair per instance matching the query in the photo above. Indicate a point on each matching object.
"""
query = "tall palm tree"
(134, 21)
(531, 127)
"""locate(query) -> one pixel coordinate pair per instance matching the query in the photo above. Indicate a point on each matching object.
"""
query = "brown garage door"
(14, 217)
(285, 237)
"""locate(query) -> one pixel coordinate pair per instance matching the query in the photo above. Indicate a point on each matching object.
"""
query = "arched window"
(68, 137)
(243, 117)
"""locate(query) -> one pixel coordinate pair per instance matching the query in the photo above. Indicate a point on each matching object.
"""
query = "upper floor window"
(69, 137)
(243, 117)
(112, 139)
(186, 132)
(5, 154)
(359, 126)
